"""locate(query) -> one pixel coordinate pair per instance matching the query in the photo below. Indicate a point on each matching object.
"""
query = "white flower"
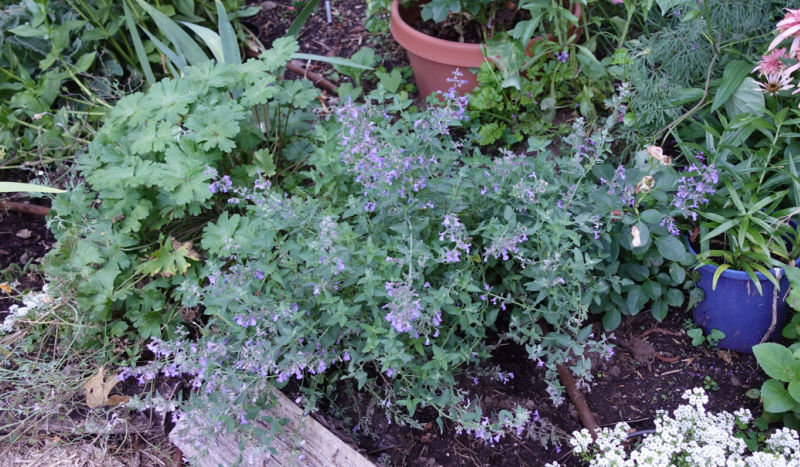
(636, 239)
(691, 436)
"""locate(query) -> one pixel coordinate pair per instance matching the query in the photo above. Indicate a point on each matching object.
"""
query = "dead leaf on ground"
(24, 233)
(725, 355)
(98, 387)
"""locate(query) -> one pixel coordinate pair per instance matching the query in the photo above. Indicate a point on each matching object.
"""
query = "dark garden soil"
(24, 239)
(652, 365)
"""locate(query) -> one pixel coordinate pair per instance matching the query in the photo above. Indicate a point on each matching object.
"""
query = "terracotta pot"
(434, 60)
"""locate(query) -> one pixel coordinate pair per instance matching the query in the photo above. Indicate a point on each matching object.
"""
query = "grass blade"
(211, 39)
(230, 46)
(138, 46)
(174, 58)
(331, 60)
(301, 19)
(183, 43)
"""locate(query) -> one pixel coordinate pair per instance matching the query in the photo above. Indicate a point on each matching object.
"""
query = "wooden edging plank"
(304, 442)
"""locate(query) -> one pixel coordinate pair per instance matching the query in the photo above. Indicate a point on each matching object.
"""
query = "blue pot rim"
(735, 274)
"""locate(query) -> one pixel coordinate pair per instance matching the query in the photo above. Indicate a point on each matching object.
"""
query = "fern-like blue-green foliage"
(667, 61)
(122, 237)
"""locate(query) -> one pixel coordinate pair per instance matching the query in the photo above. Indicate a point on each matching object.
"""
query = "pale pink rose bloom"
(787, 27)
(657, 153)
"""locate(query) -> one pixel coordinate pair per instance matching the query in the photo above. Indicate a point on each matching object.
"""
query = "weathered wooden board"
(304, 442)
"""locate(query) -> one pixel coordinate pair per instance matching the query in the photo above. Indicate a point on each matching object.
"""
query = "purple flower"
(562, 56)
(259, 274)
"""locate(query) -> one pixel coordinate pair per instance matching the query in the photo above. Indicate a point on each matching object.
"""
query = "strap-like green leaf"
(15, 187)
(211, 39)
(720, 269)
(331, 60)
(174, 58)
(724, 227)
(301, 19)
(138, 46)
(230, 46)
(183, 43)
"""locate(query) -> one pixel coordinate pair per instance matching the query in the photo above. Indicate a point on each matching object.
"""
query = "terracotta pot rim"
(440, 50)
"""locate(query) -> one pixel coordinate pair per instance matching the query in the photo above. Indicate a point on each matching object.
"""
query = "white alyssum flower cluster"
(690, 437)
(30, 303)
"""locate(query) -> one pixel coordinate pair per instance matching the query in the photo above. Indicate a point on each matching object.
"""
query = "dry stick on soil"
(315, 78)
(24, 208)
(577, 399)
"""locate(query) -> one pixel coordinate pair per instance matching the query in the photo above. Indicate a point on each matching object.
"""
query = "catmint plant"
(391, 264)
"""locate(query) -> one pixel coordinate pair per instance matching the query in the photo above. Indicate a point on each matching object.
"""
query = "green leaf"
(216, 236)
(651, 216)
(85, 61)
(16, 187)
(794, 390)
(148, 324)
(171, 259)
(776, 398)
(659, 310)
(671, 248)
(301, 18)
(735, 72)
(331, 60)
(746, 99)
(210, 38)
(677, 273)
(138, 46)
(674, 297)
(697, 336)
(611, 319)
(774, 359)
(230, 46)
(283, 49)
(184, 44)
(390, 81)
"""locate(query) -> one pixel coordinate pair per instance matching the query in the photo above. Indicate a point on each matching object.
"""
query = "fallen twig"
(315, 78)
(24, 208)
(659, 330)
(577, 399)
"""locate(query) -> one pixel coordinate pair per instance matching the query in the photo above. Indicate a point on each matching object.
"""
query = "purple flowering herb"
(694, 188)
(506, 243)
(563, 56)
(404, 308)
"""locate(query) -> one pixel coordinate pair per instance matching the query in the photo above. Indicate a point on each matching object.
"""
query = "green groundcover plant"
(125, 237)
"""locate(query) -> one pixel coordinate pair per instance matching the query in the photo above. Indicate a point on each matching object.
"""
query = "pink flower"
(777, 81)
(789, 26)
(772, 63)
(616, 2)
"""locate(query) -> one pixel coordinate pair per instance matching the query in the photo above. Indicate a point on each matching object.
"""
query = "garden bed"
(651, 366)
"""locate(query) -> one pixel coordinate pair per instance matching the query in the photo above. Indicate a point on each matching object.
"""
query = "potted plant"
(434, 60)
(746, 233)
(744, 237)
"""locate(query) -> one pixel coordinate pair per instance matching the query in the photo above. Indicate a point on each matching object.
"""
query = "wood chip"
(24, 233)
